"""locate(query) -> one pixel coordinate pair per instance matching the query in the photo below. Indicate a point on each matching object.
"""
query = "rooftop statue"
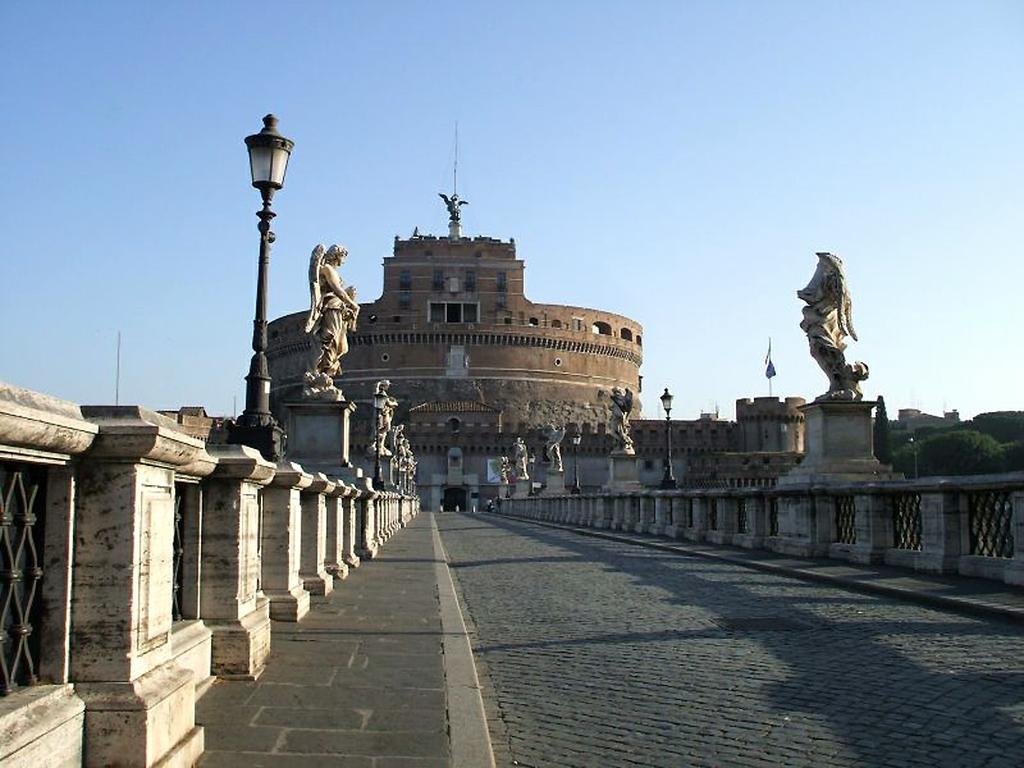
(454, 206)
(827, 321)
(622, 400)
(553, 437)
(333, 311)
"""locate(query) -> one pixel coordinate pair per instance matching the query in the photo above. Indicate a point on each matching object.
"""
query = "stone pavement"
(603, 653)
(379, 674)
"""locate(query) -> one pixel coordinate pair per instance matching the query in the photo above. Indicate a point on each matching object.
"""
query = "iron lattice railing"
(178, 553)
(990, 518)
(846, 528)
(773, 516)
(21, 548)
(742, 524)
(906, 521)
(712, 514)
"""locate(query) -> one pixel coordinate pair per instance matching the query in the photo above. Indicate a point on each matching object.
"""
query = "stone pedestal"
(839, 438)
(522, 489)
(318, 435)
(350, 533)
(503, 492)
(282, 536)
(556, 482)
(623, 474)
(139, 703)
(231, 604)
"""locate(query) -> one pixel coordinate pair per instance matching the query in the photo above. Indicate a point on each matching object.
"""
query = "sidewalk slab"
(374, 675)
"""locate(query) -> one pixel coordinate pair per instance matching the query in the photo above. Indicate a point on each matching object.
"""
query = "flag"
(769, 370)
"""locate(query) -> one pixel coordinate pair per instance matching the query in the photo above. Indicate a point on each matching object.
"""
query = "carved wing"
(628, 402)
(316, 260)
(447, 200)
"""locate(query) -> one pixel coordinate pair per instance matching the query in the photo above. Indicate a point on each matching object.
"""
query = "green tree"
(883, 445)
(1004, 426)
(1013, 456)
(961, 452)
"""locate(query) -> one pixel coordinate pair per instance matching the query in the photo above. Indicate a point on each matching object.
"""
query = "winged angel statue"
(827, 321)
(333, 311)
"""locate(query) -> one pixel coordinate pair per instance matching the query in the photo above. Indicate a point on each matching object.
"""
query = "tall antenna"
(117, 372)
(455, 166)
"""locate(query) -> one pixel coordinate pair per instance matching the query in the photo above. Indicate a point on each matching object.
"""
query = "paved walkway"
(598, 652)
(378, 675)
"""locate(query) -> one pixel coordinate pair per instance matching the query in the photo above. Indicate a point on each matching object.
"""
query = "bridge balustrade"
(972, 525)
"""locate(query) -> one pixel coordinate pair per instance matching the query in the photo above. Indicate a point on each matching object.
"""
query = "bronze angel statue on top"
(333, 311)
(454, 205)
(827, 321)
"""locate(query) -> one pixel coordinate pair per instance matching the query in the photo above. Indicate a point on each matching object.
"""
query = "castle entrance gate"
(454, 497)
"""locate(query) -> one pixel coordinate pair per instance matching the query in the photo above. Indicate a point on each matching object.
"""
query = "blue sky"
(678, 162)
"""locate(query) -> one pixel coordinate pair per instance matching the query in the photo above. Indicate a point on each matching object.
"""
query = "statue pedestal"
(318, 434)
(522, 489)
(839, 437)
(623, 474)
(556, 482)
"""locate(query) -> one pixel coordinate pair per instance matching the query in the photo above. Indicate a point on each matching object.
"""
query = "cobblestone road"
(597, 653)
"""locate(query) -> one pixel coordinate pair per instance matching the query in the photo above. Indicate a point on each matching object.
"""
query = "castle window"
(556, 323)
(508, 321)
(534, 321)
(640, 341)
(558, 362)
(470, 281)
(437, 313)
(502, 280)
(438, 284)
(454, 425)
(453, 285)
(601, 328)
(470, 313)
(626, 334)
(405, 280)
(577, 323)
(453, 312)
(404, 300)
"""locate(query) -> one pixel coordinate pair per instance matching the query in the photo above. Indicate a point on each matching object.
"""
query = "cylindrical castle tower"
(453, 324)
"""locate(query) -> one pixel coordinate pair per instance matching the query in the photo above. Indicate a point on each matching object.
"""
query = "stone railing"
(137, 563)
(973, 526)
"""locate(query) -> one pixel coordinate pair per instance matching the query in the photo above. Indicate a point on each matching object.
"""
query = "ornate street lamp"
(379, 401)
(268, 160)
(668, 480)
(576, 440)
(913, 447)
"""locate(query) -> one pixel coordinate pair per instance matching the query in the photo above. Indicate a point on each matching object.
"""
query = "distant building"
(912, 419)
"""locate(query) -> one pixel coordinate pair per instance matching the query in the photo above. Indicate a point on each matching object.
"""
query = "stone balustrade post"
(350, 526)
(942, 529)
(313, 533)
(756, 511)
(873, 525)
(698, 530)
(334, 552)
(231, 603)
(725, 519)
(602, 511)
(42, 723)
(805, 522)
(282, 541)
(644, 514)
(614, 502)
(139, 702)
(1014, 573)
(368, 524)
(662, 513)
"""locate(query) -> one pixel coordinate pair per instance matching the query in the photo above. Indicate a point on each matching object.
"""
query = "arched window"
(626, 334)
(534, 321)
(454, 425)
(602, 328)
(639, 340)
(556, 323)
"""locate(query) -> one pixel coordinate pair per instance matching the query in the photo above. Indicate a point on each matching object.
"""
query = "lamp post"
(576, 440)
(669, 480)
(913, 447)
(531, 461)
(268, 160)
(379, 401)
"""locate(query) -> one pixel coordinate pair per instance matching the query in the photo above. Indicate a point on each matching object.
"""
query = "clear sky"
(677, 162)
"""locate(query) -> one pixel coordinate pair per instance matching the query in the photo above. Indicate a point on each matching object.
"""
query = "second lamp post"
(669, 479)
